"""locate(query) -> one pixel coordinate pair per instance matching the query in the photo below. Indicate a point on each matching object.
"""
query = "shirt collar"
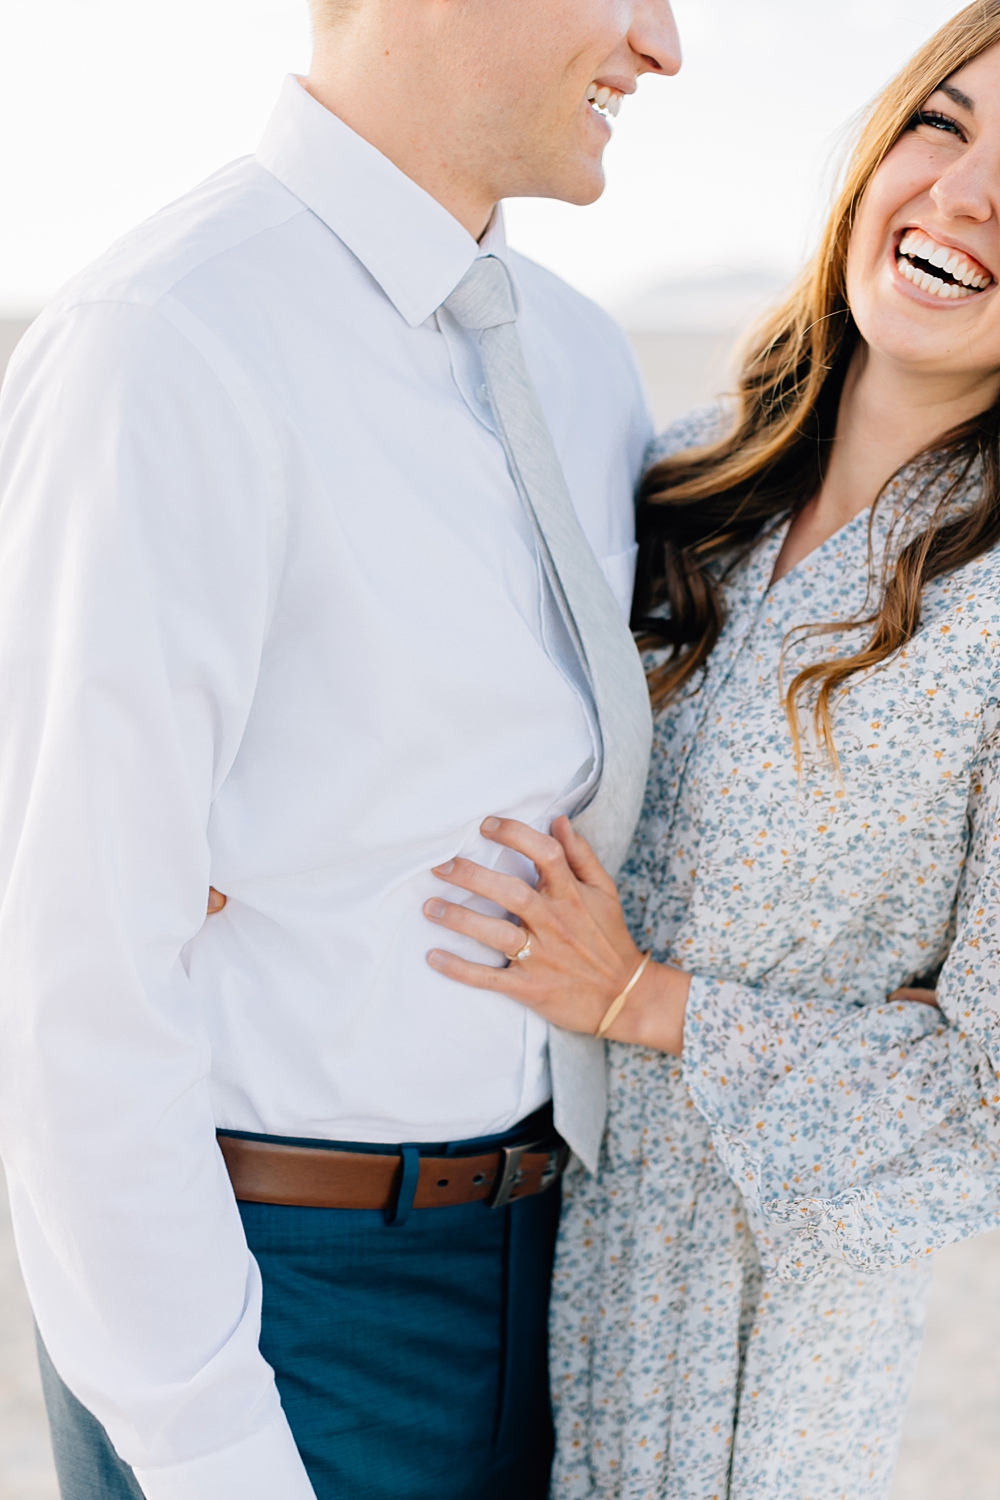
(413, 247)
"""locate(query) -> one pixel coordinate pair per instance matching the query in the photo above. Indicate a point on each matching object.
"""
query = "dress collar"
(413, 247)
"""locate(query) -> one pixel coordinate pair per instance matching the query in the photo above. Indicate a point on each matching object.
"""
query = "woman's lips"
(940, 270)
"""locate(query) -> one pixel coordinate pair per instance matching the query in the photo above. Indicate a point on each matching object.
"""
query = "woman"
(741, 1287)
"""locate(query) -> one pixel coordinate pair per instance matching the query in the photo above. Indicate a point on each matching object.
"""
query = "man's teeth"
(605, 98)
(971, 276)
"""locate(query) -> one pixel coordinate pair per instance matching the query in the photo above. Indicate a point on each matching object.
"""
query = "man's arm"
(136, 559)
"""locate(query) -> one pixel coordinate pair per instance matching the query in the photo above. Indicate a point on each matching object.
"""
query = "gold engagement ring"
(523, 952)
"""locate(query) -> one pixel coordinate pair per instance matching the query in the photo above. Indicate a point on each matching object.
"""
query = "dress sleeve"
(703, 425)
(864, 1134)
(139, 526)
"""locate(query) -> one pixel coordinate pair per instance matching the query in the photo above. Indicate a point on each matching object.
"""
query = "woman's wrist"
(653, 1015)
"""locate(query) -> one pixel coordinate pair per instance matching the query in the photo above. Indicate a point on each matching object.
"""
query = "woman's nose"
(970, 188)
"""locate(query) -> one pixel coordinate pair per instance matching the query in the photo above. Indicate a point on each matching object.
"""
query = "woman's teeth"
(965, 276)
(607, 99)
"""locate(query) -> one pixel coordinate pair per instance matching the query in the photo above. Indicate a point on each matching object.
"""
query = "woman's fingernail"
(490, 825)
(437, 960)
(444, 869)
(436, 909)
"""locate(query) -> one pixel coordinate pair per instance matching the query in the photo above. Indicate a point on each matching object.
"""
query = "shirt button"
(482, 395)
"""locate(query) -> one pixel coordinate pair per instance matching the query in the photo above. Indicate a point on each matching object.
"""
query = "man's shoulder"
(565, 310)
(223, 215)
(168, 292)
(588, 376)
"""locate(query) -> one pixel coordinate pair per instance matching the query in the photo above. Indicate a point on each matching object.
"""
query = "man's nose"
(654, 38)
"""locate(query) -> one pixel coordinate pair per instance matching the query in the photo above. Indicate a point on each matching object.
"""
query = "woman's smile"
(941, 271)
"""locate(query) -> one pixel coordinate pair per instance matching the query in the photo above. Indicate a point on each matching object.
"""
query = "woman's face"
(923, 271)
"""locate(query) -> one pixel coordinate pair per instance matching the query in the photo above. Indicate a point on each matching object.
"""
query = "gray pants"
(87, 1465)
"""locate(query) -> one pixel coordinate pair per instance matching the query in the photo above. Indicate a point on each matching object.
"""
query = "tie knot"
(484, 298)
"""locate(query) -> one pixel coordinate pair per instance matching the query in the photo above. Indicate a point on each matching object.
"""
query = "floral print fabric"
(740, 1289)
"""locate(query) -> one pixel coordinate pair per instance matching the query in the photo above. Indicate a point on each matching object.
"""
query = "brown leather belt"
(313, 1177)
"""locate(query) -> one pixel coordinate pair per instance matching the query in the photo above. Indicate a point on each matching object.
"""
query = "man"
(292, 596)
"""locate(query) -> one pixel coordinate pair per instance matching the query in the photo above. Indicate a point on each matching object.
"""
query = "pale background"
(110, 108)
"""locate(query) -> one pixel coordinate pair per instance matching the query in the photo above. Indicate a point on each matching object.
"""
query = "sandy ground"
(951, 1447)
(682, 370)
(26, 1471)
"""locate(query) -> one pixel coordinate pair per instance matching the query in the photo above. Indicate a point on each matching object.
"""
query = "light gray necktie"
(484, 302)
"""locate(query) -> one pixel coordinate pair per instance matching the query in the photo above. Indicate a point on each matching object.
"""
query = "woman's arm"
(868, 1134)
(858, 1133)
(581, 955)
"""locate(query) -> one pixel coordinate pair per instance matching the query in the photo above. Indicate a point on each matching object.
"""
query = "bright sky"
(110, 108)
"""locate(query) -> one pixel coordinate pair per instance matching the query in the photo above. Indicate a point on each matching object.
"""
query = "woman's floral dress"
(740, 1289)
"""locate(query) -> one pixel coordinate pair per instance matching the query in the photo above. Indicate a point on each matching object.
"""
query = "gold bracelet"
(615, 1008)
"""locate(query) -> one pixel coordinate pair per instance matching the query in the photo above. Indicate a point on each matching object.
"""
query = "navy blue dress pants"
(410, 1356)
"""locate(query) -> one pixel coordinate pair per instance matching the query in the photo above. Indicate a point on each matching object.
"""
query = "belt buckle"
(511, 1176)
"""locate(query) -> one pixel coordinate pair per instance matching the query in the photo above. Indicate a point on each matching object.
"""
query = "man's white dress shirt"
(271, 618)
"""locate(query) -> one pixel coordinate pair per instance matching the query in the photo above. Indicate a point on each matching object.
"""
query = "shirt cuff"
(258, 1468)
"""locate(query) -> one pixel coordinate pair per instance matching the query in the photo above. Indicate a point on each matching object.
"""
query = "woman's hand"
(580, 954)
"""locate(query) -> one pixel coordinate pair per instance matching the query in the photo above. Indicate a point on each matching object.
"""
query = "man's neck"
(386, 105)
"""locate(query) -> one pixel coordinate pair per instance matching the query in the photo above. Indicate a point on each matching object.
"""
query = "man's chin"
(576, 178)
(583, 185)
(590, 195)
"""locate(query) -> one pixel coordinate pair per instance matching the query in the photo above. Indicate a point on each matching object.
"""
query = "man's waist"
(303, 1050)
(499, 1169)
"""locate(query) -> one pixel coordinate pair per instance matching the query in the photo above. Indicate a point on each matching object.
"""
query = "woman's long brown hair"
(702, 510)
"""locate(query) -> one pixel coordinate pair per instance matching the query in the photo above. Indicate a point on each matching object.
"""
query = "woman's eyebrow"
(958, 97)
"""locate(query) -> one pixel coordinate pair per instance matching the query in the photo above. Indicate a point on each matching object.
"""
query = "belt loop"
(408, 1180)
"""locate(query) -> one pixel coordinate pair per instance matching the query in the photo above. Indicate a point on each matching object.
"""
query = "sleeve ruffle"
(867, 1135)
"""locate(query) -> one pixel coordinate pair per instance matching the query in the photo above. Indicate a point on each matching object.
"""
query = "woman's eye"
(937, 121)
